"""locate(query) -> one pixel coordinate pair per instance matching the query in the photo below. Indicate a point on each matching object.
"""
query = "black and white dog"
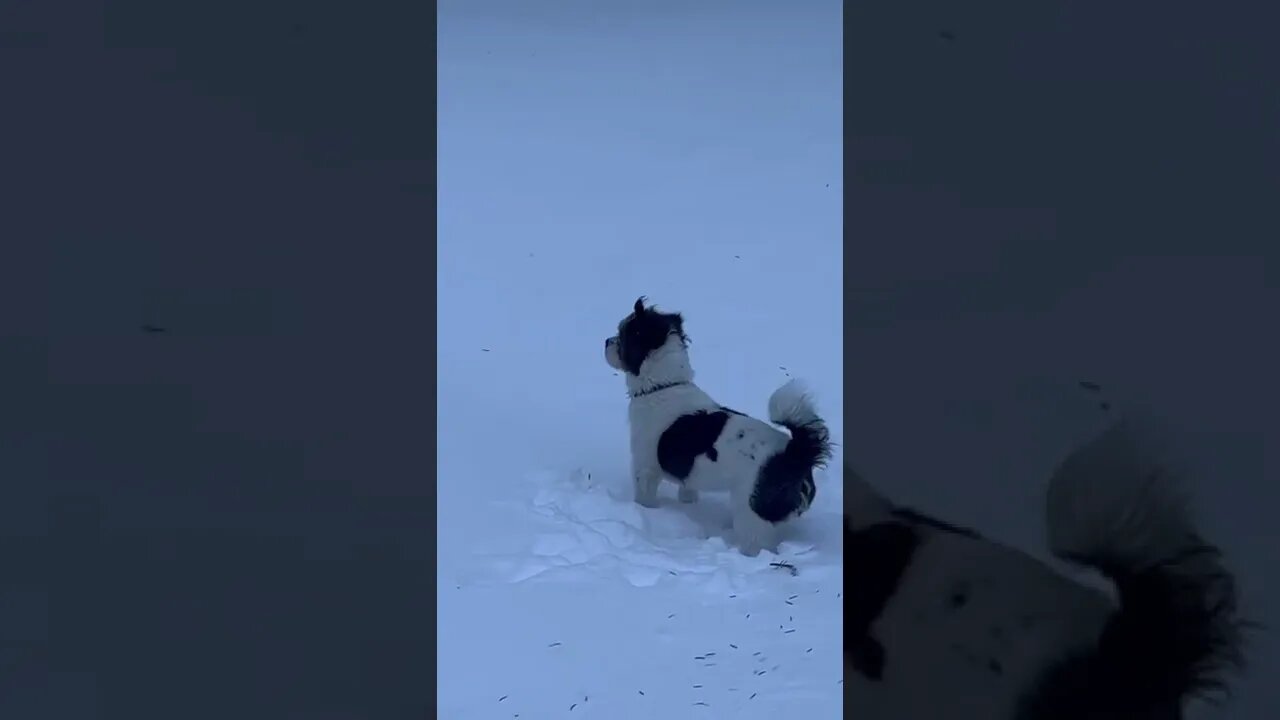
(941, 623)
(680, 433)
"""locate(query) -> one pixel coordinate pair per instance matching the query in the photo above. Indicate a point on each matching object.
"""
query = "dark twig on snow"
(785, 566)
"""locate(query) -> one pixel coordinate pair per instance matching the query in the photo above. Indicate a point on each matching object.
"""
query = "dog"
(942, 623)
(679, 433)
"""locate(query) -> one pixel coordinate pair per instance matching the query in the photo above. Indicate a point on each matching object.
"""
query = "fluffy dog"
(942, 623)
(680, 433)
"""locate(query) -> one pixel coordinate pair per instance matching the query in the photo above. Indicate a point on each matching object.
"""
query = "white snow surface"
(587, 158)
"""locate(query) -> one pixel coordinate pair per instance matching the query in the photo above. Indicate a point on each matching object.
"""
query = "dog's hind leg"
(751, 532)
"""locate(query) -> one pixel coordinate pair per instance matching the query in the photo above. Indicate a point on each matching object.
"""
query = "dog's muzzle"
(611, 353)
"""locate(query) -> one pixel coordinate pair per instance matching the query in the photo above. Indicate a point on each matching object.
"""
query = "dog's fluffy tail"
(785, 486)
(1175, 635)
(792, 407)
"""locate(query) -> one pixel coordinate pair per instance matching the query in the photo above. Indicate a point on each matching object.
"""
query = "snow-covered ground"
(588, 157)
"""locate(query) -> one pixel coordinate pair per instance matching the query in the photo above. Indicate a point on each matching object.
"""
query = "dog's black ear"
(639, 308)
(677, 323)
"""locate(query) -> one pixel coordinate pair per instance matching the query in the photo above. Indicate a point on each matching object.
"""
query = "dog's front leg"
(647, 480)
(687, 494)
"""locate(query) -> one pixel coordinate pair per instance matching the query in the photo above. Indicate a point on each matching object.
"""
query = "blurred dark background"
(1050, 192)
(216, 360)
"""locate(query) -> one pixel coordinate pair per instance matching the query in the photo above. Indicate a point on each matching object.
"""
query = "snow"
(587, 158)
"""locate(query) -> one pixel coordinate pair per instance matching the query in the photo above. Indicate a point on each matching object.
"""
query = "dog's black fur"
(688, 437)
(646, 330)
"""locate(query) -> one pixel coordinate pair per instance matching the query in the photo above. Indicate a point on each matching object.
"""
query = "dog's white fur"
(743, 446)
(1109, 504)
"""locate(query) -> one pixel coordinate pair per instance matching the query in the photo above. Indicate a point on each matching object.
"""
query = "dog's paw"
(647, 501)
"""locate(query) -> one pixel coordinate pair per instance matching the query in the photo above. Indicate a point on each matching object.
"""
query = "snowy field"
(586, 158)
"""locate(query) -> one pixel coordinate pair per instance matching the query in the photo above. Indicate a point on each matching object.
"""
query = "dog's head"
(645, 333)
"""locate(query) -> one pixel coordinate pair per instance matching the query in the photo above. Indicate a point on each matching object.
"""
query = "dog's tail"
(1114, 507)
(786, 486)
(791, 407)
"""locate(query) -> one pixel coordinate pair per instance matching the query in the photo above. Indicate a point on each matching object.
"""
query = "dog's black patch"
(688, 437)
(914, 517)
(876, 558)
(777, 494)
(644, 331)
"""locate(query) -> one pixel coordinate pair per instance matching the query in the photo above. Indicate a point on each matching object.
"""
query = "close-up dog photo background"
(278, 316)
